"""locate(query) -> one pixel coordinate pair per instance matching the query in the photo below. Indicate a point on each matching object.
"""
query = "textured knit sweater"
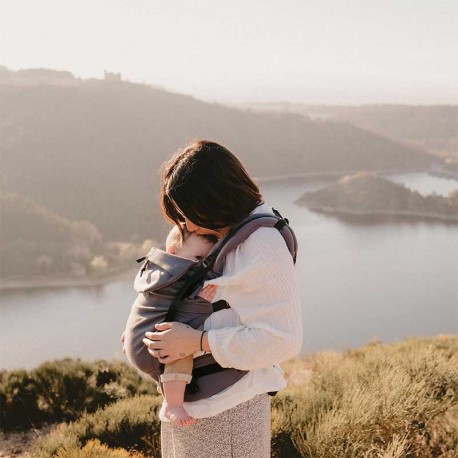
(262, 328)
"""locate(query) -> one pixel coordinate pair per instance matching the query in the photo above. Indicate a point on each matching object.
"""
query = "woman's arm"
(260, 284)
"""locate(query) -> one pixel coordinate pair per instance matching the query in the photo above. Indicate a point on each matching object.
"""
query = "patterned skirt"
(243, 431)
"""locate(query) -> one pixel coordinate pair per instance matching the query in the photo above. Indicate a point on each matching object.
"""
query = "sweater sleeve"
(259, 282)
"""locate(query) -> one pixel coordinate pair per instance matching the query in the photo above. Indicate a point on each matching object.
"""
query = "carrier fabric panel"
(157, 283)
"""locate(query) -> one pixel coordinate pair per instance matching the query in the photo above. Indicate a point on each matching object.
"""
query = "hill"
(37, 243)
(368, 194)
(433, 128)
(91, 149)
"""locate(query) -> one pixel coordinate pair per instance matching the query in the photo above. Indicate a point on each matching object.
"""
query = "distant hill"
(368, 194)
(36, 76)
(91, 149)
(432, 128)
(38, 242)
(35, 240)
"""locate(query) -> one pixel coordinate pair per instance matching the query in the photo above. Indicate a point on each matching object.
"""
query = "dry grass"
(132, 424)
(380, 401)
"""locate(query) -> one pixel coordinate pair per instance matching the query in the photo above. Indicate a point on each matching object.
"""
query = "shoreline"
(60, 282)
(335, 174)
(381, 213)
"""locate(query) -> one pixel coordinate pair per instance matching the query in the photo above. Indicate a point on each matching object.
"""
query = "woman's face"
(218, 233)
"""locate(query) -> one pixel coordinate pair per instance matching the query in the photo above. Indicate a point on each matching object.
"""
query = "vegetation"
(132, 424)
(391, 401)
(379, 401)
(363, 194)
(62, 390)
(38, 241)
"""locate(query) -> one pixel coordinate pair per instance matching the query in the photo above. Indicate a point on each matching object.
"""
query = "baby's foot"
(178, 416)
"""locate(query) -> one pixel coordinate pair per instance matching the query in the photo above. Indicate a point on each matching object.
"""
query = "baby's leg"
(174, 380)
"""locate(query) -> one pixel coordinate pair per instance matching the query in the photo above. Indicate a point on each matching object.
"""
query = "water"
(359, 281)
(425, 184)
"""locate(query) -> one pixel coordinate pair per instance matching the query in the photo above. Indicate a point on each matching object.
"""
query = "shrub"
(379, 401)
(63, 390)
(132, 424)
(19, 399)
(94, 449)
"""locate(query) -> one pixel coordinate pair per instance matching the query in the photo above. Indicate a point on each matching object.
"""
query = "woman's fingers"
(176, 341)
(155, 336)
(152, 344)
(155, 349)
(163, 326)
(159, 334)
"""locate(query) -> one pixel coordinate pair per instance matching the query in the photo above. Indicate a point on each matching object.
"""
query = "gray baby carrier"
(168, 287)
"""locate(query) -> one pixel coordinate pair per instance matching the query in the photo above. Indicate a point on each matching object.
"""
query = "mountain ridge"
(93, 150)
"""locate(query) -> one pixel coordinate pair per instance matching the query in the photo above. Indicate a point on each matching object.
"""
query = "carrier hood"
(160, 269)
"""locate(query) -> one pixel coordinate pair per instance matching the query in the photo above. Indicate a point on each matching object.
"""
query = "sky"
(244, 51)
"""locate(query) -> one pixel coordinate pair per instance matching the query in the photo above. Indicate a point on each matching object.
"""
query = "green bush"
(19, 399)
(132, 424)
(63, 390)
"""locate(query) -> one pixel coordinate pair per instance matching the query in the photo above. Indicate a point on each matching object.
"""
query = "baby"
(178, 374)
(186, 246)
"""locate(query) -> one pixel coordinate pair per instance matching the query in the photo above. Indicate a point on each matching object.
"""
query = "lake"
(359, 281)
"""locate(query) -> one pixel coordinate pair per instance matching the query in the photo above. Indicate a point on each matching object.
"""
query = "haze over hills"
(91, 149)
(433, 128)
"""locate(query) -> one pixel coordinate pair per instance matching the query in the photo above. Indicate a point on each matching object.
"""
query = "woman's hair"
(208, 184)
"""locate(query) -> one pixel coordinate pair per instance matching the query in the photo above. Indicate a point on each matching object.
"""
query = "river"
(359, 281)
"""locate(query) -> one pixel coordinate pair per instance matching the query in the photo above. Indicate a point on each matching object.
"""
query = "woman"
(206, 187)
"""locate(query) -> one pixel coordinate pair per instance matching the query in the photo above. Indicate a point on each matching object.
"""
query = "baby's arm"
(208, 293)
(123, 339)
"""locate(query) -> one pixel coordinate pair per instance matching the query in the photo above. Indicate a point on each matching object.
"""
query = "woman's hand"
(172, 341)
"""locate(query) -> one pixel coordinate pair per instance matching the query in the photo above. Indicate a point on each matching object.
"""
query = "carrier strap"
(262, 219)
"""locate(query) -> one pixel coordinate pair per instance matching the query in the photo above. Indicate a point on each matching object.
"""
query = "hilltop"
(369, 194)
(91, 149)
(392, 400)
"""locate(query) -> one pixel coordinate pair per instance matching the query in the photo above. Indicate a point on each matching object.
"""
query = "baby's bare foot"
(178, 416)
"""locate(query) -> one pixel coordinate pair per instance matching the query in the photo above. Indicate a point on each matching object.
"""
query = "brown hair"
(208, 184)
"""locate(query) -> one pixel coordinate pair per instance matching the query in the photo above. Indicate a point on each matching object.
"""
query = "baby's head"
(189, 245)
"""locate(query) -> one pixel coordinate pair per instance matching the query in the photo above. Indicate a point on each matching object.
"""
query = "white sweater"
(262, 328)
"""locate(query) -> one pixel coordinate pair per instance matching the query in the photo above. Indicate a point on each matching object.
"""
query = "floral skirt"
(243, 431)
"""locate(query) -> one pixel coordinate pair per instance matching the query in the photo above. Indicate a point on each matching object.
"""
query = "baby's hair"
(177, 236)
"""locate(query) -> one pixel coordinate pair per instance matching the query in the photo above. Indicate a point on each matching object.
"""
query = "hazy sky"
(311, 51)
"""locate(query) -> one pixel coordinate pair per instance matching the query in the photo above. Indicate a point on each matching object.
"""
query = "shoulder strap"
(232, 240)
(241, 232)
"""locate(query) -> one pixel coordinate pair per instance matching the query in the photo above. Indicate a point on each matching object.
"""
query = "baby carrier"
(163, 276)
